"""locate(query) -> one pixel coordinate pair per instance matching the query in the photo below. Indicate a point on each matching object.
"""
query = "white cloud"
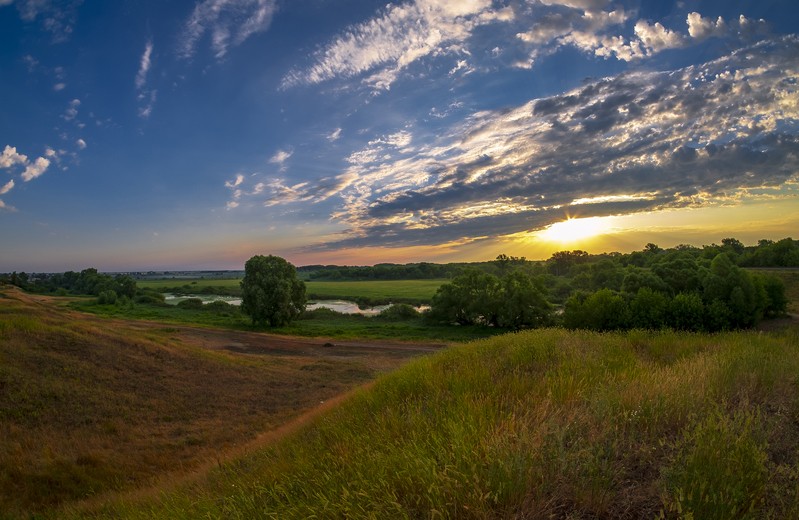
(399, 36)
(35, 169)
(149, 101)
(10, 157)
(58, 17)
(281, 156)
(72, 110)
(701, 28)
(235, 182)
(230, 22)
(5, 2)
(334, 135)
(81, 144)
(58, 87)
(7, 187)
(144, 65)
(640, 141)
(657, 38)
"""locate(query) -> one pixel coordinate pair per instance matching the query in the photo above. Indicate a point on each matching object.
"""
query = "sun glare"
(575, 229)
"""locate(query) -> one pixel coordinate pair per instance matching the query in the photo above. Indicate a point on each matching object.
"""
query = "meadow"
(92, 405)
(373, 292)
(537, 424)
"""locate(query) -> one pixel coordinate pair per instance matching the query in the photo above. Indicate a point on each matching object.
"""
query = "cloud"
(81, 144)
(396, 38)
(334, 135)
(281, 156)
(701, 28)
(7, 187)
(35, 169)
(235, 182)
(72, 110)
(229, 22)
(10, 157)
(146, 97)
(144, 65)
(657, 38)
(706, 134)
(58, 17)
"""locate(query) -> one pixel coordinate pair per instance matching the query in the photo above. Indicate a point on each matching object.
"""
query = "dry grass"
(89, 406)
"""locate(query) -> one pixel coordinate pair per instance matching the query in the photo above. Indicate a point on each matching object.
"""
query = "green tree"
(523, 303)
(271, 292)
(648, 309)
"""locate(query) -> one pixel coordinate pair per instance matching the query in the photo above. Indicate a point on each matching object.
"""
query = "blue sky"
(194, 134)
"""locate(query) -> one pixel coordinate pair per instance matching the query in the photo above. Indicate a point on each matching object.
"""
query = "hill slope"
(90, 405)
(533, 425)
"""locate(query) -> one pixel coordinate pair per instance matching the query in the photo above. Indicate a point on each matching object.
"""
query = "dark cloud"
(655, 140)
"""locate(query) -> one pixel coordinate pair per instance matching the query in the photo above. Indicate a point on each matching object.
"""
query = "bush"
(191, 303)
(108, 297)
(686, 312)
(399, 311)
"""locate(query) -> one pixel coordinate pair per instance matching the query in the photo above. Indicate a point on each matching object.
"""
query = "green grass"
(379, 291)
(318, 324)
(89, 406)
(186, 282)
(538, 424)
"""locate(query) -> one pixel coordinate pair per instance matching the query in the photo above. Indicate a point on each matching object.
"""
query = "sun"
(574, 229)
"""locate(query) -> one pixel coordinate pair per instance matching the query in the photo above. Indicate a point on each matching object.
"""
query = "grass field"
(407, 291)
(89, 406)
(316, 324)
(541, 424)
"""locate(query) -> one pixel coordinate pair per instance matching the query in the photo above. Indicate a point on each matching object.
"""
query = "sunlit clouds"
(703, 135)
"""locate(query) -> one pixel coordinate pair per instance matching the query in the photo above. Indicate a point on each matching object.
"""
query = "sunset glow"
(575, 229)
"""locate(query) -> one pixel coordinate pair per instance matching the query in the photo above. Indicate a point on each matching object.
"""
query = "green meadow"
(538, 424)
(373, 291)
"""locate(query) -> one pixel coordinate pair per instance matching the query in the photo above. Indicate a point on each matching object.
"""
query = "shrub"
(108, 297)
(399, 311)
(191, 303)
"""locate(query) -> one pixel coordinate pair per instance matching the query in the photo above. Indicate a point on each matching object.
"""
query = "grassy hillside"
(89, 405)
(536, 425)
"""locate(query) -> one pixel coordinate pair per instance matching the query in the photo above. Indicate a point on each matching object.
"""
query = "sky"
(194, 134)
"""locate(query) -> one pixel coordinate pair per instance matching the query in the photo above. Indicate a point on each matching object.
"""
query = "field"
(408, 291)
(541, 424)
(93, 405)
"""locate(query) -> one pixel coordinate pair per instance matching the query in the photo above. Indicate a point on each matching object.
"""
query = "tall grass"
(536, 425)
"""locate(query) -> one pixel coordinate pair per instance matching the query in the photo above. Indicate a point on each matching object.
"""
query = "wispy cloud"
(144, 65)
(398, 37)
(58, 17)
(229, 23)
(72, 110)
(702, 135)
(7, 187)
(281, 156)
(146, 97)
